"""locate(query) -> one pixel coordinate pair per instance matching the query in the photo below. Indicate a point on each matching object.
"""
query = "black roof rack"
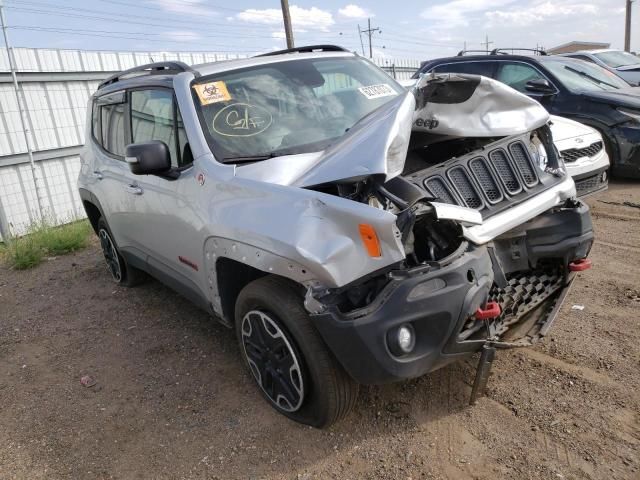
(503, 51)
(149, 69)
(462, 53)
(307, 49)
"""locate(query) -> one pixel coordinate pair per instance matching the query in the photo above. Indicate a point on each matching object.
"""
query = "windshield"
(288, 107)
(577, 75)
(617, 59)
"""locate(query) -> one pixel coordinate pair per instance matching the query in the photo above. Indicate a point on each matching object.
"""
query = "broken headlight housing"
(545, 154)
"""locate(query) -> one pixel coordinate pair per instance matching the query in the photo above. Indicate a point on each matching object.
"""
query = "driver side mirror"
(148, 158)
(540, 85)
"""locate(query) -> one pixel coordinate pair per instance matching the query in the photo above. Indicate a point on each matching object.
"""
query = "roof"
(159, 73)
(596, 50)
(576, 43)
(217, 67)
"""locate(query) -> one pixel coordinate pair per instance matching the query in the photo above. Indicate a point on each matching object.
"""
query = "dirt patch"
(171, 398)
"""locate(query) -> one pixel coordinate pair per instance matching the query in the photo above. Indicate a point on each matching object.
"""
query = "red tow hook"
(491, 310)
(580, 265)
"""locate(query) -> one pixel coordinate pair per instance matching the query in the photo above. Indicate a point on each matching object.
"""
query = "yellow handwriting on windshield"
(241, 120)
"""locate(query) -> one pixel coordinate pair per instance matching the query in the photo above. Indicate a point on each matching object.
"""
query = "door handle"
(133, 189)
(97, 174)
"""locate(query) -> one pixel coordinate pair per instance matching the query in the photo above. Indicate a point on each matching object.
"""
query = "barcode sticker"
(377, 91)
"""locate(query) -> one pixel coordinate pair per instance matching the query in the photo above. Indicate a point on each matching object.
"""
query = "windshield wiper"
(590, 77)
(249, 158)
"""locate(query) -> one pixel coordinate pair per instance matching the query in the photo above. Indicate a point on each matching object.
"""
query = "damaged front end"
(485, 215)
(492, 237)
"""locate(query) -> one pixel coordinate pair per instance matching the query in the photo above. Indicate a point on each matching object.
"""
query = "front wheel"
(287, 358)
(121, 272)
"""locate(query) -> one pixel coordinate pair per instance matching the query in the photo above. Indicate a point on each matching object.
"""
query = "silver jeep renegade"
(350, 231)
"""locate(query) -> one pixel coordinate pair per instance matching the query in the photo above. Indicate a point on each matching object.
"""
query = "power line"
(193, 4)
(124, 18)
(105, 35)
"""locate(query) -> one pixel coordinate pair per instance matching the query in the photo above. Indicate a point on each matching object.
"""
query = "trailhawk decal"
(377, 91)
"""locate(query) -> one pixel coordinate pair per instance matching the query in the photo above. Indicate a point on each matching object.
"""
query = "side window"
(474, 68)
(152, 118)
(516, 75)
(112, 128)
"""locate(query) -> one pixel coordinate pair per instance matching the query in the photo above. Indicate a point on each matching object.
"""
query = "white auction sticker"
(377, 91)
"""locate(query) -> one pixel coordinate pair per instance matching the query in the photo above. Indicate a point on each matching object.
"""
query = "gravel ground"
(173, 401)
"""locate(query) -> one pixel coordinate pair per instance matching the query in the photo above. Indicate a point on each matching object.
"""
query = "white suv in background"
(583, 152)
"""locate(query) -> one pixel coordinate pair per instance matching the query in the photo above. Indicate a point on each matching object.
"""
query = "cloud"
(183, 35)
(540, 12)
(278, 34)
(311, 18)
(458, 13)
(355, 12)
(193, 7)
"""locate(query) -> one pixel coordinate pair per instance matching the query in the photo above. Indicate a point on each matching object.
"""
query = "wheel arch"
(92, 208)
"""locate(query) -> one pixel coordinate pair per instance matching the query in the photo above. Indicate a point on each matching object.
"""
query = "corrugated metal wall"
(55, 115)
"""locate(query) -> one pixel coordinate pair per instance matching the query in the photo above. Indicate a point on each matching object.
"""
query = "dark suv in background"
(568, 88)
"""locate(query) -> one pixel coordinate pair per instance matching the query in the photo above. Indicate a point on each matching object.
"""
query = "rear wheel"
(287, 358)
(121, 272)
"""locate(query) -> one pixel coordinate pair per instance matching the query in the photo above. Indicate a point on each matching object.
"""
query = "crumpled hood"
(450, 104)
(564, 129)
(473, 106)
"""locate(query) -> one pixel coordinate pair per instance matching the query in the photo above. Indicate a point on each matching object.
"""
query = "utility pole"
(23, 120)
(369, 31)
(486, 42)
(627, 27)
(360, 37)
(286, 16)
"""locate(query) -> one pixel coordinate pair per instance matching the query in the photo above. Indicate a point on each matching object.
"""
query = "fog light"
(402, 339)
(604, 176)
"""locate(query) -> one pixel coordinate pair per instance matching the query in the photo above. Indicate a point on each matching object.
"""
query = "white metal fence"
(54, 87)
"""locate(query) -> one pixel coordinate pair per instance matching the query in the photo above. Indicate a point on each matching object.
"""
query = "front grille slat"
(439, 189)
(464, 185)
(505, 171)
(523, 163)
(487, 182)
(572, 154)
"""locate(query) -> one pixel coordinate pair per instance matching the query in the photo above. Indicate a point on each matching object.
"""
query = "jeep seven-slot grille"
(573, 154)
(486, 181)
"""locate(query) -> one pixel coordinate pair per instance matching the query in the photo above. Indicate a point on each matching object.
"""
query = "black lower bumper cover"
(436, 302)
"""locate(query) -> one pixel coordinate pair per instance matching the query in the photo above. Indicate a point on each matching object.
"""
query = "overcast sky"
(409, 29)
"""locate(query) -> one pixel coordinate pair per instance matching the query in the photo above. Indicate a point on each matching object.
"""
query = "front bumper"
(439, 300)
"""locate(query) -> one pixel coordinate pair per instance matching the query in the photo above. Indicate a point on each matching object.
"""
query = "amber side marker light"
(370, 240)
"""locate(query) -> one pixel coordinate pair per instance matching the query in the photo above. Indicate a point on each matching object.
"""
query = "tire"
(275, 333)
(121, 272)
